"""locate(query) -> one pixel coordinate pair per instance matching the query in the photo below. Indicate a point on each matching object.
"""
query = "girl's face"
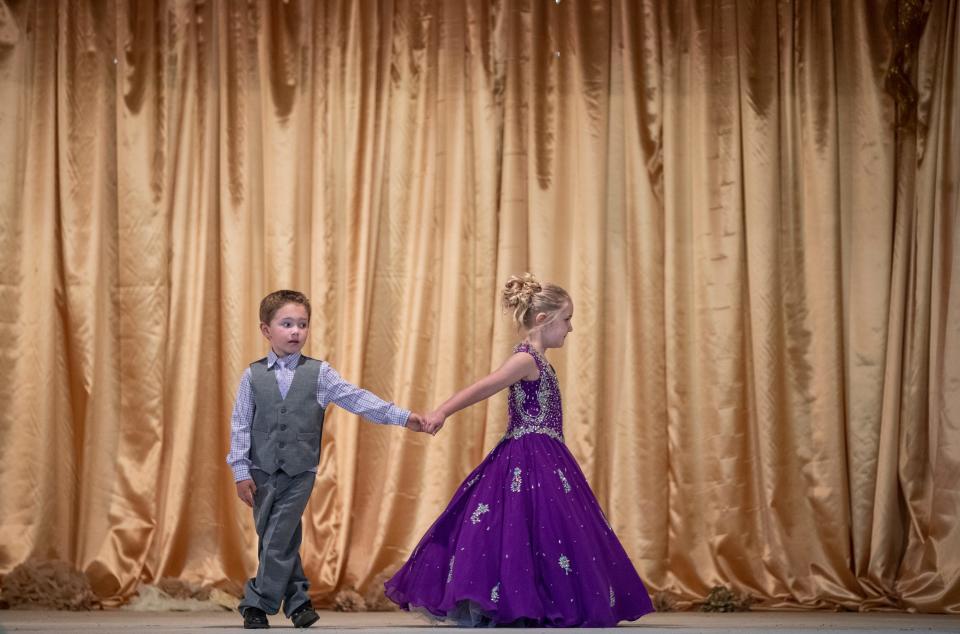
(287, 331)
(556, 331)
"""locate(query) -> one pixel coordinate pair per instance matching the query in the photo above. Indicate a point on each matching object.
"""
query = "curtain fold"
(760, 236)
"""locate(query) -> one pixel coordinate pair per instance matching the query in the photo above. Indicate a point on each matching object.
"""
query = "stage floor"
(357, 623)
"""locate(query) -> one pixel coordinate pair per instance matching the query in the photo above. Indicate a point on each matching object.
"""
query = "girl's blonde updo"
(524, 297)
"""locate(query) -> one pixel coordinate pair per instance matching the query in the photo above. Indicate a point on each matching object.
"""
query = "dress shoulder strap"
(524, 346)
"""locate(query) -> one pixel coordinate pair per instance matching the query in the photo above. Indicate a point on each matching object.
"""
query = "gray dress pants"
(278, 508)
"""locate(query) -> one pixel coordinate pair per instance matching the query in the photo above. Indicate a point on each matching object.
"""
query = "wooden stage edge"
(107, 621)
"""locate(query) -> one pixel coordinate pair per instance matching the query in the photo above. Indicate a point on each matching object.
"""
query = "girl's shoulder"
(528, 350)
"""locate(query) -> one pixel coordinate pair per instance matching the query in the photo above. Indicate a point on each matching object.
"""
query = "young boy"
(275, 449)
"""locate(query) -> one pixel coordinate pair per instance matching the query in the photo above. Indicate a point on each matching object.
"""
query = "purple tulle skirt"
(523, 542)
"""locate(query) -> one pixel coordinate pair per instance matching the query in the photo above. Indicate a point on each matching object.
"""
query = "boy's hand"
(433, 421)
(245, 491)
(415, 422)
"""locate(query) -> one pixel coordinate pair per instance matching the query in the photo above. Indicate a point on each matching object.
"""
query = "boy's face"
(287, 331)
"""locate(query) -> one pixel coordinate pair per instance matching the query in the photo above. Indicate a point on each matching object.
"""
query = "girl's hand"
(433, 421)
(245, 491)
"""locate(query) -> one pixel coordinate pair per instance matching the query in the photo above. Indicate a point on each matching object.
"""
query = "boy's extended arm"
(332, 388)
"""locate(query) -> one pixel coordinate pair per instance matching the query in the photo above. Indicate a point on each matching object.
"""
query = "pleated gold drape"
(763, 386)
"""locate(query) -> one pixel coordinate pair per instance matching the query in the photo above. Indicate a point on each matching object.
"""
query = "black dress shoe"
(304, 616)
(255, 619)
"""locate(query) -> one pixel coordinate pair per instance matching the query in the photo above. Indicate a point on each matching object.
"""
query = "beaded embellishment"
(519, 398)
(517, 480)
(563, 480)
(518, 432)
(480, 510)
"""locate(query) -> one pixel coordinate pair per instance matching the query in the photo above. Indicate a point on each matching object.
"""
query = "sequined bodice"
(534, 406)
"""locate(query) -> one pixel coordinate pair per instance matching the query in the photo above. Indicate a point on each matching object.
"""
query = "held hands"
(245, 491)
(429, 424)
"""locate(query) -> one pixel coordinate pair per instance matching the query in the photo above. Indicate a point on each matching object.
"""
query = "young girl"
(523, 541)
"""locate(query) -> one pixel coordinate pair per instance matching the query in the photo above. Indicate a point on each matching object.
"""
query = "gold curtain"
(763, 386)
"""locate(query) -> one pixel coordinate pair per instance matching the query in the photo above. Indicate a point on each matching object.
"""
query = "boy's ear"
(264, 328)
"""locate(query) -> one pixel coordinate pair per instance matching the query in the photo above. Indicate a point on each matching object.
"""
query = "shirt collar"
(289, 361)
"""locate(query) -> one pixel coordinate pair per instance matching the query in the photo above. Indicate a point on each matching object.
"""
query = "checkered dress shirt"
(331, 388)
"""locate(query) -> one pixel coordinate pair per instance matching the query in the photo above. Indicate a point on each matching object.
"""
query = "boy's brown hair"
(276, 300)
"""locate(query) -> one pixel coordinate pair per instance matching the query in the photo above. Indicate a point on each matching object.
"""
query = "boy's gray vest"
(286, 431)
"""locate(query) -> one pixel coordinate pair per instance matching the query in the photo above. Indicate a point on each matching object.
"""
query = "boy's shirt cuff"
(241, 472)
